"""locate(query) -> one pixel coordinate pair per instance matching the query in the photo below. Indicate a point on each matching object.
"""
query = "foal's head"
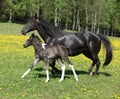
(31, 40)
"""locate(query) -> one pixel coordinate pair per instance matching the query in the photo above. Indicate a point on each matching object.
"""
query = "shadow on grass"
(106, 74)
(38, 69)
(67, 72)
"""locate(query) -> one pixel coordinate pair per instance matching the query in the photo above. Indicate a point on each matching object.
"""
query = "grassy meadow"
(14, 61)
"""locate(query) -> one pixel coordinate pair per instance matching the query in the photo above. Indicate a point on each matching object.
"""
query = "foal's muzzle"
(24, 46)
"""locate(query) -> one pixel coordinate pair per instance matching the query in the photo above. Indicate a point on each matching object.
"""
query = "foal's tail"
(108, 49)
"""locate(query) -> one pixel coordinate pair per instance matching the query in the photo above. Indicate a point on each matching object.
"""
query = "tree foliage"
(94, 15)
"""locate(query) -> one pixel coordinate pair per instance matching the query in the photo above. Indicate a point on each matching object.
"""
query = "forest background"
(94, 15)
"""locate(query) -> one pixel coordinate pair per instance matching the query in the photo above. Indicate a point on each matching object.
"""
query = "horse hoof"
(77, 79)
(22, 77)
(47, 80)
(91, 73)
(96, 74)
(60, 80)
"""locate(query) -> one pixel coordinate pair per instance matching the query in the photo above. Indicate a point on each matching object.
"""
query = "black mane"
(51, 30)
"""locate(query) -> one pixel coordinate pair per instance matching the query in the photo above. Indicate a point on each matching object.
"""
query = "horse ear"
(35, 16)
(33, 35)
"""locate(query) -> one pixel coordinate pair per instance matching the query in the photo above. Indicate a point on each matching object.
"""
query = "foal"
(46, 53)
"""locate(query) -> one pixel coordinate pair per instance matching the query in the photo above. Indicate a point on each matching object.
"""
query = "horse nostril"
(23, 33)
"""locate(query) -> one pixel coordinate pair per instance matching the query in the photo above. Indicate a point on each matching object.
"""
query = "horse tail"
(108, 47)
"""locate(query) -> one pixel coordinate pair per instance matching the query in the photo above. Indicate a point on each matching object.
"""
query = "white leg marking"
(47, 74)
(26, 73)
(63, 70)
(63, 73)
(35, 62)
(91, 73)
(73, 70)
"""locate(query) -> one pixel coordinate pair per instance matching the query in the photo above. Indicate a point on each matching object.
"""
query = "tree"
(94, 15)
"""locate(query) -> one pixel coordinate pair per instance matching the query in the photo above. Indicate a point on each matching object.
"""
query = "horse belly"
(74, 52)
(52, 54)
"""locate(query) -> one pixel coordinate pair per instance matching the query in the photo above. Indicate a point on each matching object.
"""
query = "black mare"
(87, 43)
(46, 53)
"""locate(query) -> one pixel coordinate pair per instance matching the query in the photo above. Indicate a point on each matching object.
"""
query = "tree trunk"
(86, 15)
(56, 15)
(66, 24)
(94, 24)
(78, 21)
(38, 15)
(92, 21)
(73, 26)
(111, 30)
(10, 18)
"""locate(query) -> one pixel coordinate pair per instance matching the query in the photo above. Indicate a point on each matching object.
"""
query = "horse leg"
(54, 69)
(97, 61)
(94, 53)
(91, 68)
(31, 66)
(47, 72)
(88, 55)
(63, 69)
(72, 67)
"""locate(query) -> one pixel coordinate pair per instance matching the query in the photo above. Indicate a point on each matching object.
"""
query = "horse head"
(31, 25)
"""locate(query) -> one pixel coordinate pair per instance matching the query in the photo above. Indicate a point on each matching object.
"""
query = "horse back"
(56, 51)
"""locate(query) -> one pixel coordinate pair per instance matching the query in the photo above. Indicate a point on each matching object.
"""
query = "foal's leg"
(72, 67)
(54, 69)
(47, 72)
(73, 70)
(63, 70)
(31, 66)
(65, 57)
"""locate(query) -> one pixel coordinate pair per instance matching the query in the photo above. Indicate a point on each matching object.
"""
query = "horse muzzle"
(23, 32)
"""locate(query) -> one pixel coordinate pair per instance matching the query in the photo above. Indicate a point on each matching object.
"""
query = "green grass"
(14, 61)
(10, 28)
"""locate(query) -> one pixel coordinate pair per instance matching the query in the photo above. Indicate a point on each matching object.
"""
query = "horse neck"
(42, 33)
(37, 45)
(51, 30)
